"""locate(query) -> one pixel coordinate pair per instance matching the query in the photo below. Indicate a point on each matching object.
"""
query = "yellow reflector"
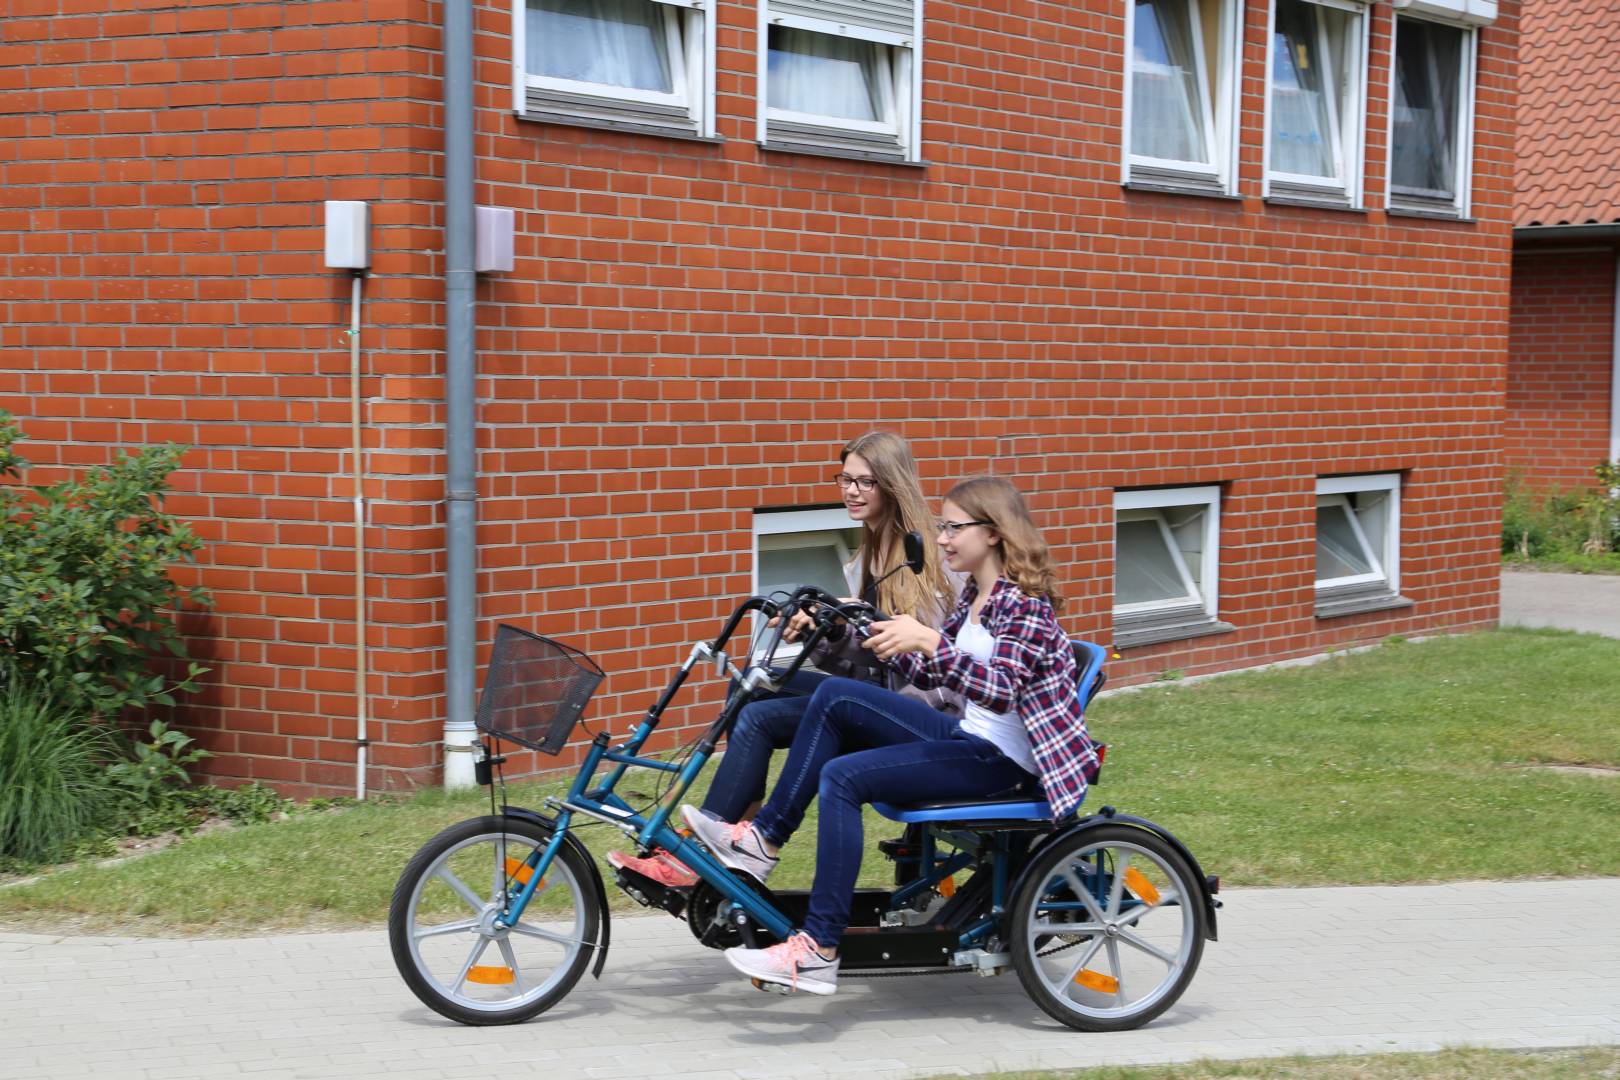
(1096, 980)
(520, 870)
(947, 887)
(494, 976)
(1141, 886)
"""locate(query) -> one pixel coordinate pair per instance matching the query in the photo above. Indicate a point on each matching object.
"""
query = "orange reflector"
(947, 887)
(1141, 886)
(1096, 980)
(520, 870)
(494, 976)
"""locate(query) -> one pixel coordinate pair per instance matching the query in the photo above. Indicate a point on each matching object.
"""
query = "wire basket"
(536, 690)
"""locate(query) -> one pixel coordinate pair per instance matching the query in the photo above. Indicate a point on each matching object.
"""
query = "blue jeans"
(859, 744)
(764, 726)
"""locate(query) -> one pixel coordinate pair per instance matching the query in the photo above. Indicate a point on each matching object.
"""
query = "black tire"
(426, 952)
(1047, 903)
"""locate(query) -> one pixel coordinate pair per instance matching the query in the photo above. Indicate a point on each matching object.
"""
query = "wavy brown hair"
(927, 596)
(1025, 559)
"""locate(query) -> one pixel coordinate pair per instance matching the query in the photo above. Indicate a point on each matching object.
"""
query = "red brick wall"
(691, 331)
(1560, 366)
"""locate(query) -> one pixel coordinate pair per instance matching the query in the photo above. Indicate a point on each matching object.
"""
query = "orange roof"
(1568, 169)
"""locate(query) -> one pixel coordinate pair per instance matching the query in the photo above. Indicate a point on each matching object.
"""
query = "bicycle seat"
(1088, 658)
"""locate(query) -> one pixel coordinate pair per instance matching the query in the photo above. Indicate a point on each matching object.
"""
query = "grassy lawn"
(1607, 562)
(1592, 1063)
(1405, 763)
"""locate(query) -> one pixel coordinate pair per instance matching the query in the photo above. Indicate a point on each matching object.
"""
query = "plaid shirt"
(1032, 670)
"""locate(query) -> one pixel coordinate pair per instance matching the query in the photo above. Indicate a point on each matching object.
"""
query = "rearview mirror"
(914, 552)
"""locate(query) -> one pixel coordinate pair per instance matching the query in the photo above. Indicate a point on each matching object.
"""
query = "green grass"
(1567, 562)
(1401, 764)
(1589, 1063)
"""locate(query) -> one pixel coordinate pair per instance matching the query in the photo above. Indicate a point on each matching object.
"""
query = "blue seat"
(1088, 657)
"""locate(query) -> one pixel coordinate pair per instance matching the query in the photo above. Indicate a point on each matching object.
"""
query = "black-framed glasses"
(860, 483)
(951, 528)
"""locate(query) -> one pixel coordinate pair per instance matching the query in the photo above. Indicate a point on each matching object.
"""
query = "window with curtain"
(1426, 118)
(1315, 96)
(624, 62)
(802, 547)
(825, 75)
(1170, 106)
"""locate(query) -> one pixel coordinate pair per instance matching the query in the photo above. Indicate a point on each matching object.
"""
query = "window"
(1166, 559)
(840, 77)
(803, 547)
(1431, 119)
(1315, 101)
(1180, 94)
(1358, 544)
(636, 64)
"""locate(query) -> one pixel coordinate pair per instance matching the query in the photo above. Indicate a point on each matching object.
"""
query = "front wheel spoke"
(545, 935)
(1146, 946)
(472, 958)
(473, 900)
(511, 961)
(446, 928)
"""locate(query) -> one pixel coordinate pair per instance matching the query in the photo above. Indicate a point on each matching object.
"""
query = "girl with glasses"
(1002, 649)
(880, 489)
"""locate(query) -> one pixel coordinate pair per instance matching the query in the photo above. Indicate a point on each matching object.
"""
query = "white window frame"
(1149, 504)
(773, 530)
(1220, 111)
(899, 87)
(1462, 200)
(1352, 127)
(1335, 490)
(689, 36)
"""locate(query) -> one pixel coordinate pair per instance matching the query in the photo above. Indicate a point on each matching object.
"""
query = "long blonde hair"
(1025, 559)
(927, 596)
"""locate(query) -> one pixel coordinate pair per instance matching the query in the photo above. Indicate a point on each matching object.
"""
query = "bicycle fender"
(1109, 817)
(549, 824)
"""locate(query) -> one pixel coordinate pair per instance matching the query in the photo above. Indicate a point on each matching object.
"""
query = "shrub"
(86, 600)
(1562, 524)
(54, 789)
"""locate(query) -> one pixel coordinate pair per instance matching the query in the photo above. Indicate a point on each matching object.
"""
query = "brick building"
(1229, 301)
(1563, 402)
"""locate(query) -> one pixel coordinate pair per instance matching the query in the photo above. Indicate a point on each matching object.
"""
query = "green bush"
(86, 600)
(55, 792)
(1562, 526)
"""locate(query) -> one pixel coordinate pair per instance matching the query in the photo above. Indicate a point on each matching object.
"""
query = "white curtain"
(611, 42)
(1301, 127)
(1167, 108)
(1428, 66)
(1144, 569)
(822, 74)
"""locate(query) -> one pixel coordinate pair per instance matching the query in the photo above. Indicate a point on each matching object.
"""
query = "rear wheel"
(448, 945)
(1107, 928)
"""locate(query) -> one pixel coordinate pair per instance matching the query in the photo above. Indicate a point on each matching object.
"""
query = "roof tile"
(1568, 145)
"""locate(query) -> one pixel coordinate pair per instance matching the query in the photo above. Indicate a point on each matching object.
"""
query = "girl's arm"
(1021, 628)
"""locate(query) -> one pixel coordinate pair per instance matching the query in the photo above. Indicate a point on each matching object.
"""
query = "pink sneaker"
(796, 964)
(660, 866)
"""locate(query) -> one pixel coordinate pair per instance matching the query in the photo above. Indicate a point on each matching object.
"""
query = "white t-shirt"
(1006, 730)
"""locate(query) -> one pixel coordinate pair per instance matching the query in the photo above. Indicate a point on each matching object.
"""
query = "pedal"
(771, 987)
(897, 849)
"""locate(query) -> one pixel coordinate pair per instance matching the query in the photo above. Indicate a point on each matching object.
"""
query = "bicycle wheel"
(1107, 928)
(441, 924)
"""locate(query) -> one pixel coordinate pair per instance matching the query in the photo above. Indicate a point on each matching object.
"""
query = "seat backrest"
(1088, 659)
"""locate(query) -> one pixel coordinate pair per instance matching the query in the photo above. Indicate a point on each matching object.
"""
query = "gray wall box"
(347, 225)
(493, 246)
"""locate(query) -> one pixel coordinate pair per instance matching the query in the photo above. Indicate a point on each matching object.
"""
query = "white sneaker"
(738, 846)
(796, 964)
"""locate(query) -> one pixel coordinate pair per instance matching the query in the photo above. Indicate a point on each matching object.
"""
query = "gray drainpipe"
(460, 386)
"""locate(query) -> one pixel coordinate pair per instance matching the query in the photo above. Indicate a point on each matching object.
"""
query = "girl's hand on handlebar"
(901, 634)
(798, 625)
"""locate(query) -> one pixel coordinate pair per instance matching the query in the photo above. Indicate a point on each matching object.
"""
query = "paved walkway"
(1296, 971)
(1589, 602)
